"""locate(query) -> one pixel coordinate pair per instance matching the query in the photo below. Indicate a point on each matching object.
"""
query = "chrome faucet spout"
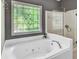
(57, 43)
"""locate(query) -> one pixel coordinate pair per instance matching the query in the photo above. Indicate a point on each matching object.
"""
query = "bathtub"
(37, 47)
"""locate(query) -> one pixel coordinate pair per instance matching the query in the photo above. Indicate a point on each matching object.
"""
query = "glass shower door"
(57, 22)
(54, 22)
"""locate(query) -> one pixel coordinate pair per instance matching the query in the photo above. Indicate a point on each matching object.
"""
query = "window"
(26, 18)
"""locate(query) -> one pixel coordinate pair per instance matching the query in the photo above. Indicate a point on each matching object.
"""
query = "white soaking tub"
(37, 47)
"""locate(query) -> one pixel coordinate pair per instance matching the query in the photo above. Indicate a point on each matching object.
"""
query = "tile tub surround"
(16, 48)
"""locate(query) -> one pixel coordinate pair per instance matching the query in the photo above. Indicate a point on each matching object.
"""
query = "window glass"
(26, 18)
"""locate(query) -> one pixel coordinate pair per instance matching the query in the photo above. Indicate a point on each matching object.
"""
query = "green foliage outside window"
(25, 18)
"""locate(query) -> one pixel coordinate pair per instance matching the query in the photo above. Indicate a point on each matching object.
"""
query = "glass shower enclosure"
(55, 21)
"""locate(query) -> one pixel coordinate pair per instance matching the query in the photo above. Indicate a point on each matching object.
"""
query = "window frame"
(23, 33)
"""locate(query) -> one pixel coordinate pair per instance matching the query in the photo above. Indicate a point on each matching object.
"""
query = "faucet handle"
(45, 35)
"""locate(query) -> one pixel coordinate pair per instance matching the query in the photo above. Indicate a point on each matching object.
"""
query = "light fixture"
(58, 0)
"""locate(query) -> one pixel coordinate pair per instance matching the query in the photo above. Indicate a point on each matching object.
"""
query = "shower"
(63, 23)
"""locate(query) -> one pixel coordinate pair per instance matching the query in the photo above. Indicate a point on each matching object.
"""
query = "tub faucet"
(45, 36)
(57, 43)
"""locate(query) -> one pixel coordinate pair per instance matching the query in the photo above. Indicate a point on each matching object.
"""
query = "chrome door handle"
(68, 28)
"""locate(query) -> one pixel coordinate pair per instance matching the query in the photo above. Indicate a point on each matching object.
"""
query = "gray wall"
(70, 4)
(48, 4)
